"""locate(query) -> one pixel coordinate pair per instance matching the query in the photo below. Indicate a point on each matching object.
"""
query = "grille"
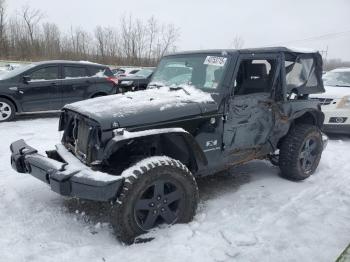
(83, 136)
(324, 101)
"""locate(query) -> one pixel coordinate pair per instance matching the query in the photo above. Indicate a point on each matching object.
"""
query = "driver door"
(249, 115)
(42, 92)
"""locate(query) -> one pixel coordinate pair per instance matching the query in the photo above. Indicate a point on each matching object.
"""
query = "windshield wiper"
(179, 88)
(155, 85)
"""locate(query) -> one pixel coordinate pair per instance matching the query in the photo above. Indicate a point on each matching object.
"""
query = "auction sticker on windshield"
(215, 60)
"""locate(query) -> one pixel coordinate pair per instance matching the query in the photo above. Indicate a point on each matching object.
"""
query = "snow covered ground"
(246, 214)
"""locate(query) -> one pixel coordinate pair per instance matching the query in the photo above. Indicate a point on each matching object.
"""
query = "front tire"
(157, 190)
(300, 152)
(7, 110)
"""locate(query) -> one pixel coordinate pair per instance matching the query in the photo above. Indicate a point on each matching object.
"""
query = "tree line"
(27, 35)
(330, 64)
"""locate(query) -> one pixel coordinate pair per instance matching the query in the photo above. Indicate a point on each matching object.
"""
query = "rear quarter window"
(94, 70)
(74, 71)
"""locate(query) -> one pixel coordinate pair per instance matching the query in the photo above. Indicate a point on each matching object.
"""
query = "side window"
(300, 73)
(108, 72)
(96, 71)
(133, 71)
(73, 71)
(46, 73)
(255, 76)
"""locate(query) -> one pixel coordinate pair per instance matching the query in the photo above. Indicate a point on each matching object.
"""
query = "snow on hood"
(334, 92)
(130, 102)
(145, 107)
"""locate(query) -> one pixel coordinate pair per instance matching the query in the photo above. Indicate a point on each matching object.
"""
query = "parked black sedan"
(138, 81)
(46, 86)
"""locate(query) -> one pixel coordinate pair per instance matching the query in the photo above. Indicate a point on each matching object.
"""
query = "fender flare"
(123, 137)
(317, 115)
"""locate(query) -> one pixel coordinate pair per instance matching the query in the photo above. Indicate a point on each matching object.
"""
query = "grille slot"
(83, 136)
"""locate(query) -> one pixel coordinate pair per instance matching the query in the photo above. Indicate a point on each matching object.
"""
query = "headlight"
(126, 83)
(344, 102)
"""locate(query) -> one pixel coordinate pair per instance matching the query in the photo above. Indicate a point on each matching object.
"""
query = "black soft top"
(250, 50)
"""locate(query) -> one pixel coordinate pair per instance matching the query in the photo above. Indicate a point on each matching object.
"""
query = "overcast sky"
(208, 24)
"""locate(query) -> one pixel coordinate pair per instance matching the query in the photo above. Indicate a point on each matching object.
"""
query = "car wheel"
(157, 190)
(300, 152)
(7, 110)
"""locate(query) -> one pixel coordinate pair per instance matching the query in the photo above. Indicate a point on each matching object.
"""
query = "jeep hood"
(145, 107)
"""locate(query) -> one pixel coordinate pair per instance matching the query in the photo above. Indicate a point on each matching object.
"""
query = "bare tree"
(237, 42)
(32, 18)
(101, 40)
(330, 64)
(51, 40)
(140, 35)
(169, 36)
(2, 26)
(135, 41)
(152, 31)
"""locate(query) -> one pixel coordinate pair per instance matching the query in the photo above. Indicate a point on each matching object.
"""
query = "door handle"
(14, 88)
(54, 84)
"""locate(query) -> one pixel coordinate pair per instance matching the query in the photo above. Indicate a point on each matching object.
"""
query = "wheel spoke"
(302, 155)
(307, 145)
(159, 188)
(313, 146)
(143, 204)
(3, 116)
(168, 215)
(303, 163)
(150, 220)
(173, 196)
(5, 111)
(311, 159)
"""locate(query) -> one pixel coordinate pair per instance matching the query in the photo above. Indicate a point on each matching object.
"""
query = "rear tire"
(7, 110)
(300, 152)
(157, 190)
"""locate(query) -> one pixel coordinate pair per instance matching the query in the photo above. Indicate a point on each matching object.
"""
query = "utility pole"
(324, 54)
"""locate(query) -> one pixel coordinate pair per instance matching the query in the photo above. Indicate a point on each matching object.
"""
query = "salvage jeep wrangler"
(204, 111)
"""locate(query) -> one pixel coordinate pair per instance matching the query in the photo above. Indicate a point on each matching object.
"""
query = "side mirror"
(26, 79)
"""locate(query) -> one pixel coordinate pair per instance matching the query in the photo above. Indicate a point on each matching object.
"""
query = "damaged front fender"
(179, 137)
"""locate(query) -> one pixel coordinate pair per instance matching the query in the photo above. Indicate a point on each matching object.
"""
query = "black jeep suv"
(46, 86)
(143, 151)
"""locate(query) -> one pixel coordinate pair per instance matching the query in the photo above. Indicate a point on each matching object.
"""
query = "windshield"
(337, 78)
(200, 70)
(15, 72)
(144, 72)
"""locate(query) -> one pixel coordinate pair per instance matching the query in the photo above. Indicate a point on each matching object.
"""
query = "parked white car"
(335, 101)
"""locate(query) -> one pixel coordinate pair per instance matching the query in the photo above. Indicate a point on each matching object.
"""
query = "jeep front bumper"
(68, 177)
